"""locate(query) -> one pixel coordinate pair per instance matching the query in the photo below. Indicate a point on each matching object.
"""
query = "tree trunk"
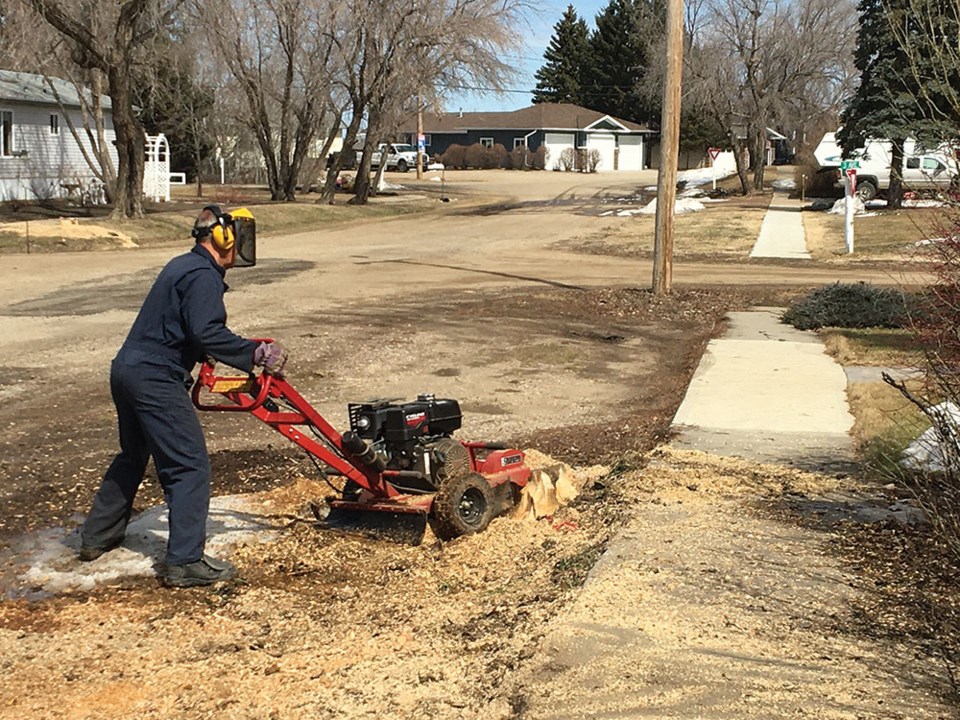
(328, 196)
(759, 153)
(741, 155)
(895, 192)
(130, 144)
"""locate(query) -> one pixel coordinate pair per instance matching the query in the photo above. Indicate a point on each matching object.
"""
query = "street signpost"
(714, 154)
(849, 170)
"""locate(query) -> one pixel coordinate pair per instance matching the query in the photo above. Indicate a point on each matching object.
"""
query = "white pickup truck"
(400, 156)
(921, 170)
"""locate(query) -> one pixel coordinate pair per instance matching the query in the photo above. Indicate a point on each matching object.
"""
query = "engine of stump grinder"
(413, 436)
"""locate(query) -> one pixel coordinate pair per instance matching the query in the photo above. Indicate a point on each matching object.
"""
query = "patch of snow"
(714, 200)
(683, 205)
(435, 179)
(701, 176)
(785, 184)
(840, 207)
(927, 451)
(923, 203)
(45, 561)
(435, 166)
(933, 241)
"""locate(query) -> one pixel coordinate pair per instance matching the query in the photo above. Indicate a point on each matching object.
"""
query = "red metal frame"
(252, 393)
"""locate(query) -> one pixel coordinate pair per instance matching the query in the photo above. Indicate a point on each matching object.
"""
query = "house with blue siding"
(40, 156)
(622, 145)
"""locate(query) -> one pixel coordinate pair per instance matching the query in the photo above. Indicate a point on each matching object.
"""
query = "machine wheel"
(866, 190)
(402, 166)
(463, 505)
(456, 459)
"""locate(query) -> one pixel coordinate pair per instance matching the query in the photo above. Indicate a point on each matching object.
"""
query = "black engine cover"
(398, 424)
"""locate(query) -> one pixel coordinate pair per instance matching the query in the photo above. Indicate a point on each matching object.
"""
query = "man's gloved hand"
(271, 357)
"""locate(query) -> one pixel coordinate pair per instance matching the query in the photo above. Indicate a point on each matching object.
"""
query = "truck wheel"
(462, 505)
(866, 190)
(402, 166)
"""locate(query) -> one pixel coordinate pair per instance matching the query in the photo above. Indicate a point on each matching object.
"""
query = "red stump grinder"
(399, 465)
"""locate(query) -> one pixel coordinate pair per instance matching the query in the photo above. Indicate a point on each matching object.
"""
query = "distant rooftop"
(540, 116)
(30, 88)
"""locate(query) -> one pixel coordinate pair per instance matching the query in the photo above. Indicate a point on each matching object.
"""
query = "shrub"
(538, 158)
(494, 157)
(567, 160)
(849, 305)
(474, 156)
(593, 160)
(455, 157)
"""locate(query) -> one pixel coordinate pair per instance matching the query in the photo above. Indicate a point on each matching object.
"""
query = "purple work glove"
(271, 357)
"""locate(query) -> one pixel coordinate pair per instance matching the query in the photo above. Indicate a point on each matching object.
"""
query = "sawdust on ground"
(328, 626)
(69, 230)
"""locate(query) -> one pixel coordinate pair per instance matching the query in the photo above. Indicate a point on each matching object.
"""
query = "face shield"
(245, 237)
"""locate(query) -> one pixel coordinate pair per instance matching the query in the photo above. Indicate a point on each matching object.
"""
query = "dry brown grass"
(884, 424)
(723, 230)
(877, 347)
(887, 236)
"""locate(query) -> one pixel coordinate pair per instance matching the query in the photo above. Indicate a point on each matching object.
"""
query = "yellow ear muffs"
(221, 234)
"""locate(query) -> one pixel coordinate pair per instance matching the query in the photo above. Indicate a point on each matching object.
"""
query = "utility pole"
(669, 152)
(419, 135)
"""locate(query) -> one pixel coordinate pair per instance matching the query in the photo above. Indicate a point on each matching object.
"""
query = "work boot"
(89, 553)
(205, 571)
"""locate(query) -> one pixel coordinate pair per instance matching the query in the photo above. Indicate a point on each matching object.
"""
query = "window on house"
(54, 124)
(519, 142)
(486, 142)
(6, 133)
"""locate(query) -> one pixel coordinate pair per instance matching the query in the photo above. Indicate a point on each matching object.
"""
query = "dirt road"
(548, 348)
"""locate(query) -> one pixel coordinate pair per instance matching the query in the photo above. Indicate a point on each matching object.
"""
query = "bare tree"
(405, 49)
(281, 59)
(757, 64)
(111, 37)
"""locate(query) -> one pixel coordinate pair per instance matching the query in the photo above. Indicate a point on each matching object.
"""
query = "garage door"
(631, 153)
(556, 143)
(606, 144)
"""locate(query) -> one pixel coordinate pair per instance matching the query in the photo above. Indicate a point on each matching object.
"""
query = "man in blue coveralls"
(182, 320)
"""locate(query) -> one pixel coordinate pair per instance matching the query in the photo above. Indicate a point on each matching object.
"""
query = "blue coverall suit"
(182, 320)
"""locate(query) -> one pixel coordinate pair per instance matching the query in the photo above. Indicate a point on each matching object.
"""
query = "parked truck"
(400, 156)
(922, 170)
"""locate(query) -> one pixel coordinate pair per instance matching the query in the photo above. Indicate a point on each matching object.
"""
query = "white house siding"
(556, 143)
(607, 145)
(51, 160)
(631, 153)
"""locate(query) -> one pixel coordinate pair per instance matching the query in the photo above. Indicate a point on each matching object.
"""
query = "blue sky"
(538, 36)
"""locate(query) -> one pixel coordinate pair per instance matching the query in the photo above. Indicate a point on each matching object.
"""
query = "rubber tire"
(866, 190)
(462, 505)
(402, 166)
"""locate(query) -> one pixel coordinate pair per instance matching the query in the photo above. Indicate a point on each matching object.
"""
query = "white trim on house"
(611, 120)
(487, 142)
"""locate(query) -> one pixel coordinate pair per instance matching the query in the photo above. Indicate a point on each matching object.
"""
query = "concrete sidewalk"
(781, 233)
(768, 392)
(700, 608)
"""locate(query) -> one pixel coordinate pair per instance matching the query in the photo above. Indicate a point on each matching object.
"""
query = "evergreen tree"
(888, 102)
(560, 79)
(620, 54)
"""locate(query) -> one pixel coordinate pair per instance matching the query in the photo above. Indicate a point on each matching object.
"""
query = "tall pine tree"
(560, 79)
(620, 58)
(898, 96)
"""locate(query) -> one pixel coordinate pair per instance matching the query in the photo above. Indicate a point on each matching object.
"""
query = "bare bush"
(567, 160)
(593, 160)
(455, 157)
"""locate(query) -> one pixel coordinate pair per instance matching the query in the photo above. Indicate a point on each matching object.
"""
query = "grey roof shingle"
(555, 116)
(30, 88)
